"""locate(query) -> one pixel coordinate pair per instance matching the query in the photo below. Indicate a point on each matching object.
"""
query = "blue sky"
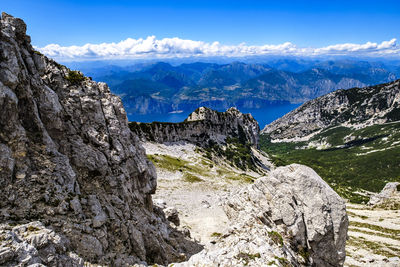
(302, 23)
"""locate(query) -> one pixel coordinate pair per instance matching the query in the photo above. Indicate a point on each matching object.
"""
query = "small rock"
(20, 175)
(172, 215)
(205, 204)
(160, 203)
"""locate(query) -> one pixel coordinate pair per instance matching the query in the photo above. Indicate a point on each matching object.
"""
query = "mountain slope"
(354, 107)
(350, 137)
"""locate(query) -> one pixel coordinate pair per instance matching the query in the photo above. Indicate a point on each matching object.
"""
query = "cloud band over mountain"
(151, 47)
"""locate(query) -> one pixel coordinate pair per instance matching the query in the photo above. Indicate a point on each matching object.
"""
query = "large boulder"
(290, 217)
(68, 159)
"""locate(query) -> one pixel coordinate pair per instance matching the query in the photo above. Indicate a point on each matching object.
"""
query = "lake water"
(264, 115)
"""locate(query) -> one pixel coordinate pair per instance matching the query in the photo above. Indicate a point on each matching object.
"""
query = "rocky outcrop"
(69, 160)
(33, 243)
(202, 126)
(289, 218)
(355, 107)
(391, 190)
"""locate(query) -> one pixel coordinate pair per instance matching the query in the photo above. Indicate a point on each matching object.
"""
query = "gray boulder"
(290, 217)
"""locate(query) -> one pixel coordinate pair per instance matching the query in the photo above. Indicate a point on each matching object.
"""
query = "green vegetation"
(237, 151)
(191, 178)
(215, 234)
(373, 227)
(173, 164)
(75, 77)
(32, 228)
(246, 257)
(374, 233)
(276, 237)
(240, 177)
(37, 53)
(356, 215)
(284, 262)
(377, 248)
(389, 205)
(363, 159)
(303, 252)
(231, 175)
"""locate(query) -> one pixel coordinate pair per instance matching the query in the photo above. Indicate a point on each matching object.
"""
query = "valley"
(353, 161)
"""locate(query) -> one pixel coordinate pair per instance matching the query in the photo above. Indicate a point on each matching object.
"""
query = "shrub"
(276, 237)
(75, 77)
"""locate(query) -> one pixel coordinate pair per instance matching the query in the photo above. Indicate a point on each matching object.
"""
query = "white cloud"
(151, 47)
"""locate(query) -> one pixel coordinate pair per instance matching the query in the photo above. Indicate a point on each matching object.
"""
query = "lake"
(264, 115)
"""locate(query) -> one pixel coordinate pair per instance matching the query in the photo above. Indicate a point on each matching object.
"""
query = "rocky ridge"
(202, 126)
(76, 185)
(356, 107)
(69, 160)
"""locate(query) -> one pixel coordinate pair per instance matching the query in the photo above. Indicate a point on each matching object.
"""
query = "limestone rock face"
(389, 191)
(202, 125)
(357, 106)
(290, 216)
(33, 243)
(68, 159)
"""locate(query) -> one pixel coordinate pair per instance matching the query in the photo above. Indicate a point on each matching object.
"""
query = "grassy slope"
(346, 165)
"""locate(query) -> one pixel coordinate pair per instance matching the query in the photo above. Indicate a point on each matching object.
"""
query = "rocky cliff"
(357, 107)
(202, 126)
(69, 160)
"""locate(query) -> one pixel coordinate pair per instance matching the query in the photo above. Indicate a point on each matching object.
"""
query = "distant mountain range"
(161, 87)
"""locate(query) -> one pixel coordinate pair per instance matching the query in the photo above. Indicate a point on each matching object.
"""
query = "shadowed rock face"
(202, 126)
(69, 160)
